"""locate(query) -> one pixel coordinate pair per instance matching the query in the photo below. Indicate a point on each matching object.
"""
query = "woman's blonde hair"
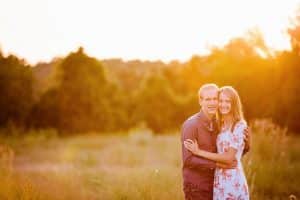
(236, 105)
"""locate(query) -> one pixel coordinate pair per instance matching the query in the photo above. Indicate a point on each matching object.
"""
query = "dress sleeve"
(237, 136)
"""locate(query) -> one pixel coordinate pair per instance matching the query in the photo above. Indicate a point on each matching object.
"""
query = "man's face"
(209, 101)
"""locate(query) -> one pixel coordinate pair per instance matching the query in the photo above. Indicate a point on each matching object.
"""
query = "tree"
(16, 98)
(83, 94)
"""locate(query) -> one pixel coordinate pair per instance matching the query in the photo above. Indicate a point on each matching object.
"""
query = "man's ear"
(200, 101)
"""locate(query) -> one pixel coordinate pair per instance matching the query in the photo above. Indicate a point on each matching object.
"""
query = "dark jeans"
(195, 192)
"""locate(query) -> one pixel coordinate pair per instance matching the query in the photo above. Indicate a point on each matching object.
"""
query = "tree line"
(79, 93)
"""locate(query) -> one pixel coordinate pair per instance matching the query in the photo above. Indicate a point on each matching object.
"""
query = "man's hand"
(247, 139)
(232, 165)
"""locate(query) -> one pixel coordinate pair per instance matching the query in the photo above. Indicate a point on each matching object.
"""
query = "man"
(198, 173)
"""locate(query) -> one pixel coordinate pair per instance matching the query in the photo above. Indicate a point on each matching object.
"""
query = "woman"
(228, 183)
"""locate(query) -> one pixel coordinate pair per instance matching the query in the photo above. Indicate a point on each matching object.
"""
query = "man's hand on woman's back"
(247, 139)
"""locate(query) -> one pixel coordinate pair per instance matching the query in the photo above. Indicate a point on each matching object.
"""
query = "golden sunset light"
(149, 99)
(39, 30)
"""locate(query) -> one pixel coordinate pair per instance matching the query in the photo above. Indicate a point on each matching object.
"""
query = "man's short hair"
(206, 86)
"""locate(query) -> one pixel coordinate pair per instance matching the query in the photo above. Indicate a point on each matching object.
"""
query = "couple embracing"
(213, 143)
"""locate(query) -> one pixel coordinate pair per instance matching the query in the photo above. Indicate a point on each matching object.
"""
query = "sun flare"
(42, 29)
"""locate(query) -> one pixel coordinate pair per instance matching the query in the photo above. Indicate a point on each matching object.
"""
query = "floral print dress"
(231, 184)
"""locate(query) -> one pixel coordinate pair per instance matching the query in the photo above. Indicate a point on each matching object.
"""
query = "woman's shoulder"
(240, 124)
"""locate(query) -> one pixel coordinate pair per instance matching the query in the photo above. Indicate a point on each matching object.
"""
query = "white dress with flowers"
(231, 184)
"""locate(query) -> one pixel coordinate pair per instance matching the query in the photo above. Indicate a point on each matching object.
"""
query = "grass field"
(135, 165)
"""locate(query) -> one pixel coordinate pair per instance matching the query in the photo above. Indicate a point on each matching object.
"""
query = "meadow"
(134, 165)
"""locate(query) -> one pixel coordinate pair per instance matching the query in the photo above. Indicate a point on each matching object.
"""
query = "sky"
(39, 30)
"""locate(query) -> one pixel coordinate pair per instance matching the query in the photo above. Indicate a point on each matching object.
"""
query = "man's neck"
(209, 116)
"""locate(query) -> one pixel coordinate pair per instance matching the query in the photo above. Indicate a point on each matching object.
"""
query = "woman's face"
(224, 104)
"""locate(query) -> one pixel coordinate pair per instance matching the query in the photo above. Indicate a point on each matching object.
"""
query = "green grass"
(136, 165)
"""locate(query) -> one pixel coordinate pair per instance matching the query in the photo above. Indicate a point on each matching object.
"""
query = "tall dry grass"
(136, 165)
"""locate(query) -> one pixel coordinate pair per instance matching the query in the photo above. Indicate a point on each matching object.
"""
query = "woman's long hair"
(236, 106)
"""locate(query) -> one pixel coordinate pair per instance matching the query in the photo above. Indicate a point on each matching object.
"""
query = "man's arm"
(190, 160)
(247, 140)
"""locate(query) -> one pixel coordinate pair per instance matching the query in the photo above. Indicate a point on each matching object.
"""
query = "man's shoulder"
(191, 121)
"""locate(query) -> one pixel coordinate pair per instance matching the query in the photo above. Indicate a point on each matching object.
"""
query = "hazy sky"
(136, 29)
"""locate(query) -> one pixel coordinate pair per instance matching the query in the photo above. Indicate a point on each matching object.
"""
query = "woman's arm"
(233, 165)
(226, 158)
